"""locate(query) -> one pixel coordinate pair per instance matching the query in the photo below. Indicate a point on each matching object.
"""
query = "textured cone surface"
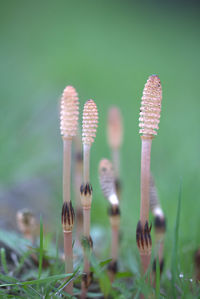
(106, 178)
(90, 122)
(150, 106)
(69, 111)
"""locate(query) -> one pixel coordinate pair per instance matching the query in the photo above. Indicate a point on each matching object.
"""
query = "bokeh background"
(107, 50)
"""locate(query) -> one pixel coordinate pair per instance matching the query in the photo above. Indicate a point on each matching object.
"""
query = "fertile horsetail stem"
(148, 123)
(107, 182)
(115, 138)
(89, 127)
(69, 111)
(26, 223)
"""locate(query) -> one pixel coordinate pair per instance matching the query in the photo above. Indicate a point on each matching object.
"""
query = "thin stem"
(158, 257)
(86, 163)
(160, 250)
(86, 222)
(79, 224)
(115, 243)
(145, 178)
(77, 181)
(145, 260)
(68, 259)
(86, 233)
(86, 214)
(83, 292)
(29, 236)
(116, 161)
(67, 143)
(86, 268)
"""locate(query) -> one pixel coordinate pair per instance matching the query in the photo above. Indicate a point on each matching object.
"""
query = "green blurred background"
(107, 50)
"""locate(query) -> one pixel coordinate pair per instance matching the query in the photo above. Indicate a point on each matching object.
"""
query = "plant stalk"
(68, 259)
(115, 243)
(86, 222)
(86, 163)
(86, 203)
(145, 255)
(68, 251)
(67, 144)
(116, 162)
(145, 178)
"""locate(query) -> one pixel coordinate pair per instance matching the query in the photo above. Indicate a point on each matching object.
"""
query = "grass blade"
(175, 244)
(57, 251)
(22, 261)
(65, 283)
(37, 281)
(41, 248)
(157, 278)
(3, 260)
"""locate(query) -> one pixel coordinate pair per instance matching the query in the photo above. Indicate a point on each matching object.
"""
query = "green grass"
(157, 289)
(106, 49)
(41, 248)
(174, 267)
(49, 284)
(3, 260)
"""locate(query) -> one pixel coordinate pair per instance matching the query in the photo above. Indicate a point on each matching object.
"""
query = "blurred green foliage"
(107, 50)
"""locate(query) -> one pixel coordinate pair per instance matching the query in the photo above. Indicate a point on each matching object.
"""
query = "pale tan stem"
(68, 258)
(145, 260)
(86, 268)
(115, 243)
(116, 162)
(145, 179)
(86, 222)
(77, 181)
(67, 142)
(86, 163)
(86, 214)
(160, 250)
(159, 254)
(29, 236)
(79, 224)
(86, 232)
(83, 292)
